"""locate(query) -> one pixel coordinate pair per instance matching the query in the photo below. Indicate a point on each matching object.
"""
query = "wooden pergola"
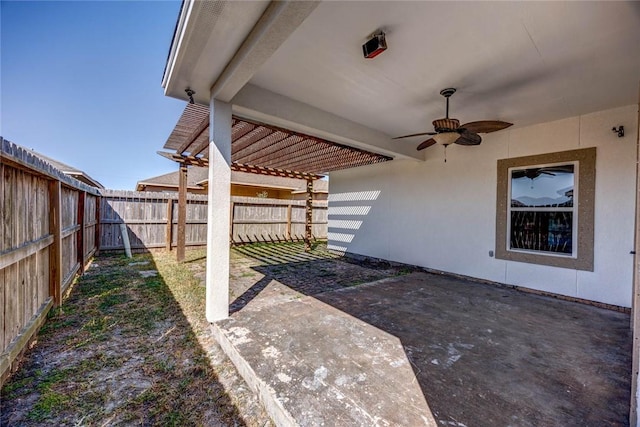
(261, 149)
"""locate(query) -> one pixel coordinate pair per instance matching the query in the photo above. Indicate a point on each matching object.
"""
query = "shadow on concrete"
(482, 354)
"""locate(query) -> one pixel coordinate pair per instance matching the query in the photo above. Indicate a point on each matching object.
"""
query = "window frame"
(583, 216)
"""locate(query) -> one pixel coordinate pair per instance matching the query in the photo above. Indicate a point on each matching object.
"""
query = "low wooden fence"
(151, 220)
(48, 231)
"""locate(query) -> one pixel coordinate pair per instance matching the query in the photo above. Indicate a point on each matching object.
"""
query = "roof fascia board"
(175, 51)
(155, 184)
(81, 174)
(255, 103)
(208, 34)
(259, 28)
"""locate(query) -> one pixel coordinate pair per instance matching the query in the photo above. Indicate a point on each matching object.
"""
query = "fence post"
(80, 234)
(55, 250)
(308, 218)
(182, 212)
(231, 207)
(169, 232)
(289, 209)
(98, 234)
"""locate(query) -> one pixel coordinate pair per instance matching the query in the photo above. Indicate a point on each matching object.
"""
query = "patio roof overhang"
(282, 64)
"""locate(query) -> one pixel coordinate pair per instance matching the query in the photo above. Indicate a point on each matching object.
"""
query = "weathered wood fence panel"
(146, 217)
(90, 227)
(268, 220)
(70, 227)
(32, 193)
(196, 226)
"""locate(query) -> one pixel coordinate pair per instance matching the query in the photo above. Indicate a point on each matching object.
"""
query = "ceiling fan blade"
(425, 144)
(558, 169)
(486, 126)
(468, 138)
(414, 134)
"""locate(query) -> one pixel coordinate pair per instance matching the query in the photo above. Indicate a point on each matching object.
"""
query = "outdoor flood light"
(375, 46)
(619, 130)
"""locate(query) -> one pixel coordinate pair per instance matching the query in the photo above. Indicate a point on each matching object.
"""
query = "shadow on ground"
(483, 355)
(122, 351)
(308, 273)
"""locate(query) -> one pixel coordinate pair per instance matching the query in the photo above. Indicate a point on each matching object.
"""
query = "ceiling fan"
(448, 130)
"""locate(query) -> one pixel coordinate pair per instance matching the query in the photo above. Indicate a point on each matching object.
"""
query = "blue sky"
(81, 83)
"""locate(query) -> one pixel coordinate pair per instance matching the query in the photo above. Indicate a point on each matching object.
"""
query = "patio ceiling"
(261, 148)
(299, 65)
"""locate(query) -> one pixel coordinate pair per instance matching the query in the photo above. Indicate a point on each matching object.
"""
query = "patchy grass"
(124, 350)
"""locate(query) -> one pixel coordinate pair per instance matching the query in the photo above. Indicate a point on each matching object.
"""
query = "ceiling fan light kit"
(446, 138)
(449, 131)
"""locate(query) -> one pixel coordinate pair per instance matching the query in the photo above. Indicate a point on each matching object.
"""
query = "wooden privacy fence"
(273, 220)
(49, 229)
(146, 215)
(151, 220)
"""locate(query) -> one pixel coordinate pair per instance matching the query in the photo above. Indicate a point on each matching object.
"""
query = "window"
(545, 209)
(542, 216)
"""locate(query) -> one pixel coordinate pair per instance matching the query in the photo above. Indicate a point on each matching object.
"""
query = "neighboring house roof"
(197, 178)
(68, 170)
(194, 177)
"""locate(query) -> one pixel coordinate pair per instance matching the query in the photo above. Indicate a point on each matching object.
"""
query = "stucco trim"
(586, 159)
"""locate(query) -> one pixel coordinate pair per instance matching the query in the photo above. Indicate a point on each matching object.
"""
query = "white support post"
(217, 295)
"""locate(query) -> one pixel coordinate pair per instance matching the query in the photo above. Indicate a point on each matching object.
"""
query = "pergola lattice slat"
(266, 145)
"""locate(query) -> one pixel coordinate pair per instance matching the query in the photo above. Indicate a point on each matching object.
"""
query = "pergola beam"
(239, 167)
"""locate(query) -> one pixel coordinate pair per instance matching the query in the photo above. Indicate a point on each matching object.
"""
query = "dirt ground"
(130, 350)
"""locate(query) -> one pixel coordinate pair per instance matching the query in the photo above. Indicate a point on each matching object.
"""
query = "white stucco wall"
(442, 215)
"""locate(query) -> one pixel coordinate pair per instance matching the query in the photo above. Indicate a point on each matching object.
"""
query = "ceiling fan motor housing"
(446, 125)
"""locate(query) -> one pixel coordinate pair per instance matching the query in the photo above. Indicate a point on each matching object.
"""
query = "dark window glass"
(542, 231)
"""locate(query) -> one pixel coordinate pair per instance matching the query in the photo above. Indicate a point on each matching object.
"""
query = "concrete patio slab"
(422, 349)
(323, 367)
